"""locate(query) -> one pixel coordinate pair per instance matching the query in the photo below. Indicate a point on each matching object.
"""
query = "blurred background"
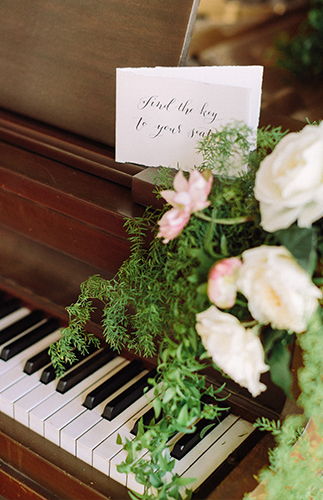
(285, 36)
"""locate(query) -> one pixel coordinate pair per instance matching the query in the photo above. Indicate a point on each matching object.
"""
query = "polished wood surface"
(58, 58)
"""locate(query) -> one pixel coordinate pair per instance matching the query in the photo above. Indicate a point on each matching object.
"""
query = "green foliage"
(303, 54)
(267, 139)
(294, 477)
(231, 144)
(278, 357)
(264, 424)
(151, 304)
(302, 243)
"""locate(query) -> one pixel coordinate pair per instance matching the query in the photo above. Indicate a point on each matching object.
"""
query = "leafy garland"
(151, 304)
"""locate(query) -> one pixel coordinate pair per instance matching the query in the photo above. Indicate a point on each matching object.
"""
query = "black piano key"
(104, 390)
(127, 397)
(29, 339)
(37, 362)
(49, 373)
(187, 442)
(84, 370)
(9, 306)
(146, 419)
(20, 326)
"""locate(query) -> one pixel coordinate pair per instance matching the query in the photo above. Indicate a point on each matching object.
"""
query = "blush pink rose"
(172, 223)
(222, 282)
(190, 195)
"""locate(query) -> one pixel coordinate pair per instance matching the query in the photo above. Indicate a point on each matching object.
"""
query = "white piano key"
(84, 433)
(22, 357)
(195, 454)
(73, 431)
(218, 452)
(133, 485)
(20, 388)
(17, 391)
(17, 363)
(24, 405)
(66, 435)
(198, 450)
(43, 411)
(107, 450)
(117, 459)
(90, 440)
(13, 317)
(11, 376)
(56, 422)
(102, 452)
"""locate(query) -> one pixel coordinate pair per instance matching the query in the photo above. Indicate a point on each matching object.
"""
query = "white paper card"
(163, 113)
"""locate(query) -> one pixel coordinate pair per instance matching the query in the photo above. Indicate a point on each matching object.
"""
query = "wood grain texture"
(51, 468)
(58, 57)
(67, 148)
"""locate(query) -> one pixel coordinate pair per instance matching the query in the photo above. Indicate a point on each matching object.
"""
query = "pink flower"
(172, 223)
(222, 286)
(190, 195)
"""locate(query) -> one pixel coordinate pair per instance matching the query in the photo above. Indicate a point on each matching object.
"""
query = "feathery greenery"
(149, 308)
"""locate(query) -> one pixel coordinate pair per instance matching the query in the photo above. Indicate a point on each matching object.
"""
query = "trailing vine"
(150, 308)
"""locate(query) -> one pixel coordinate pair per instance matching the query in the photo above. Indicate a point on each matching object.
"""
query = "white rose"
(278, 289)
(289, 182)
(234, 349)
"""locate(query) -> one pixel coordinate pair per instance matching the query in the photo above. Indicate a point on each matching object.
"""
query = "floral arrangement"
(230, 278)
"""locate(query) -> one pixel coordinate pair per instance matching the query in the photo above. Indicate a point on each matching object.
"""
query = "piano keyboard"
(97, 399)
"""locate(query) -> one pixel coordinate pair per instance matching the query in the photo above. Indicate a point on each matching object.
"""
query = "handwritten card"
(163, 113)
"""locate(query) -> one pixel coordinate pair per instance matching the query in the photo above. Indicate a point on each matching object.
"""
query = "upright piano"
(63, 200)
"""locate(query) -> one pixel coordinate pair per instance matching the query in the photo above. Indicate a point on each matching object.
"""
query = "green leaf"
(184, 481)
(119, 439)
(270, 337)
(182, 418)
(279, 363)
(155, 480)
(169, 394)
(157, 407)
(206, 429)
(301, 242)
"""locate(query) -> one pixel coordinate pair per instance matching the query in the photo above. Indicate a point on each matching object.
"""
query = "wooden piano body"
(63, 198)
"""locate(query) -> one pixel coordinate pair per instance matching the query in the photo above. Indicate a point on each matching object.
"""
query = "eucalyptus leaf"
(279, 363)
(271, 336)
(301, 242)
